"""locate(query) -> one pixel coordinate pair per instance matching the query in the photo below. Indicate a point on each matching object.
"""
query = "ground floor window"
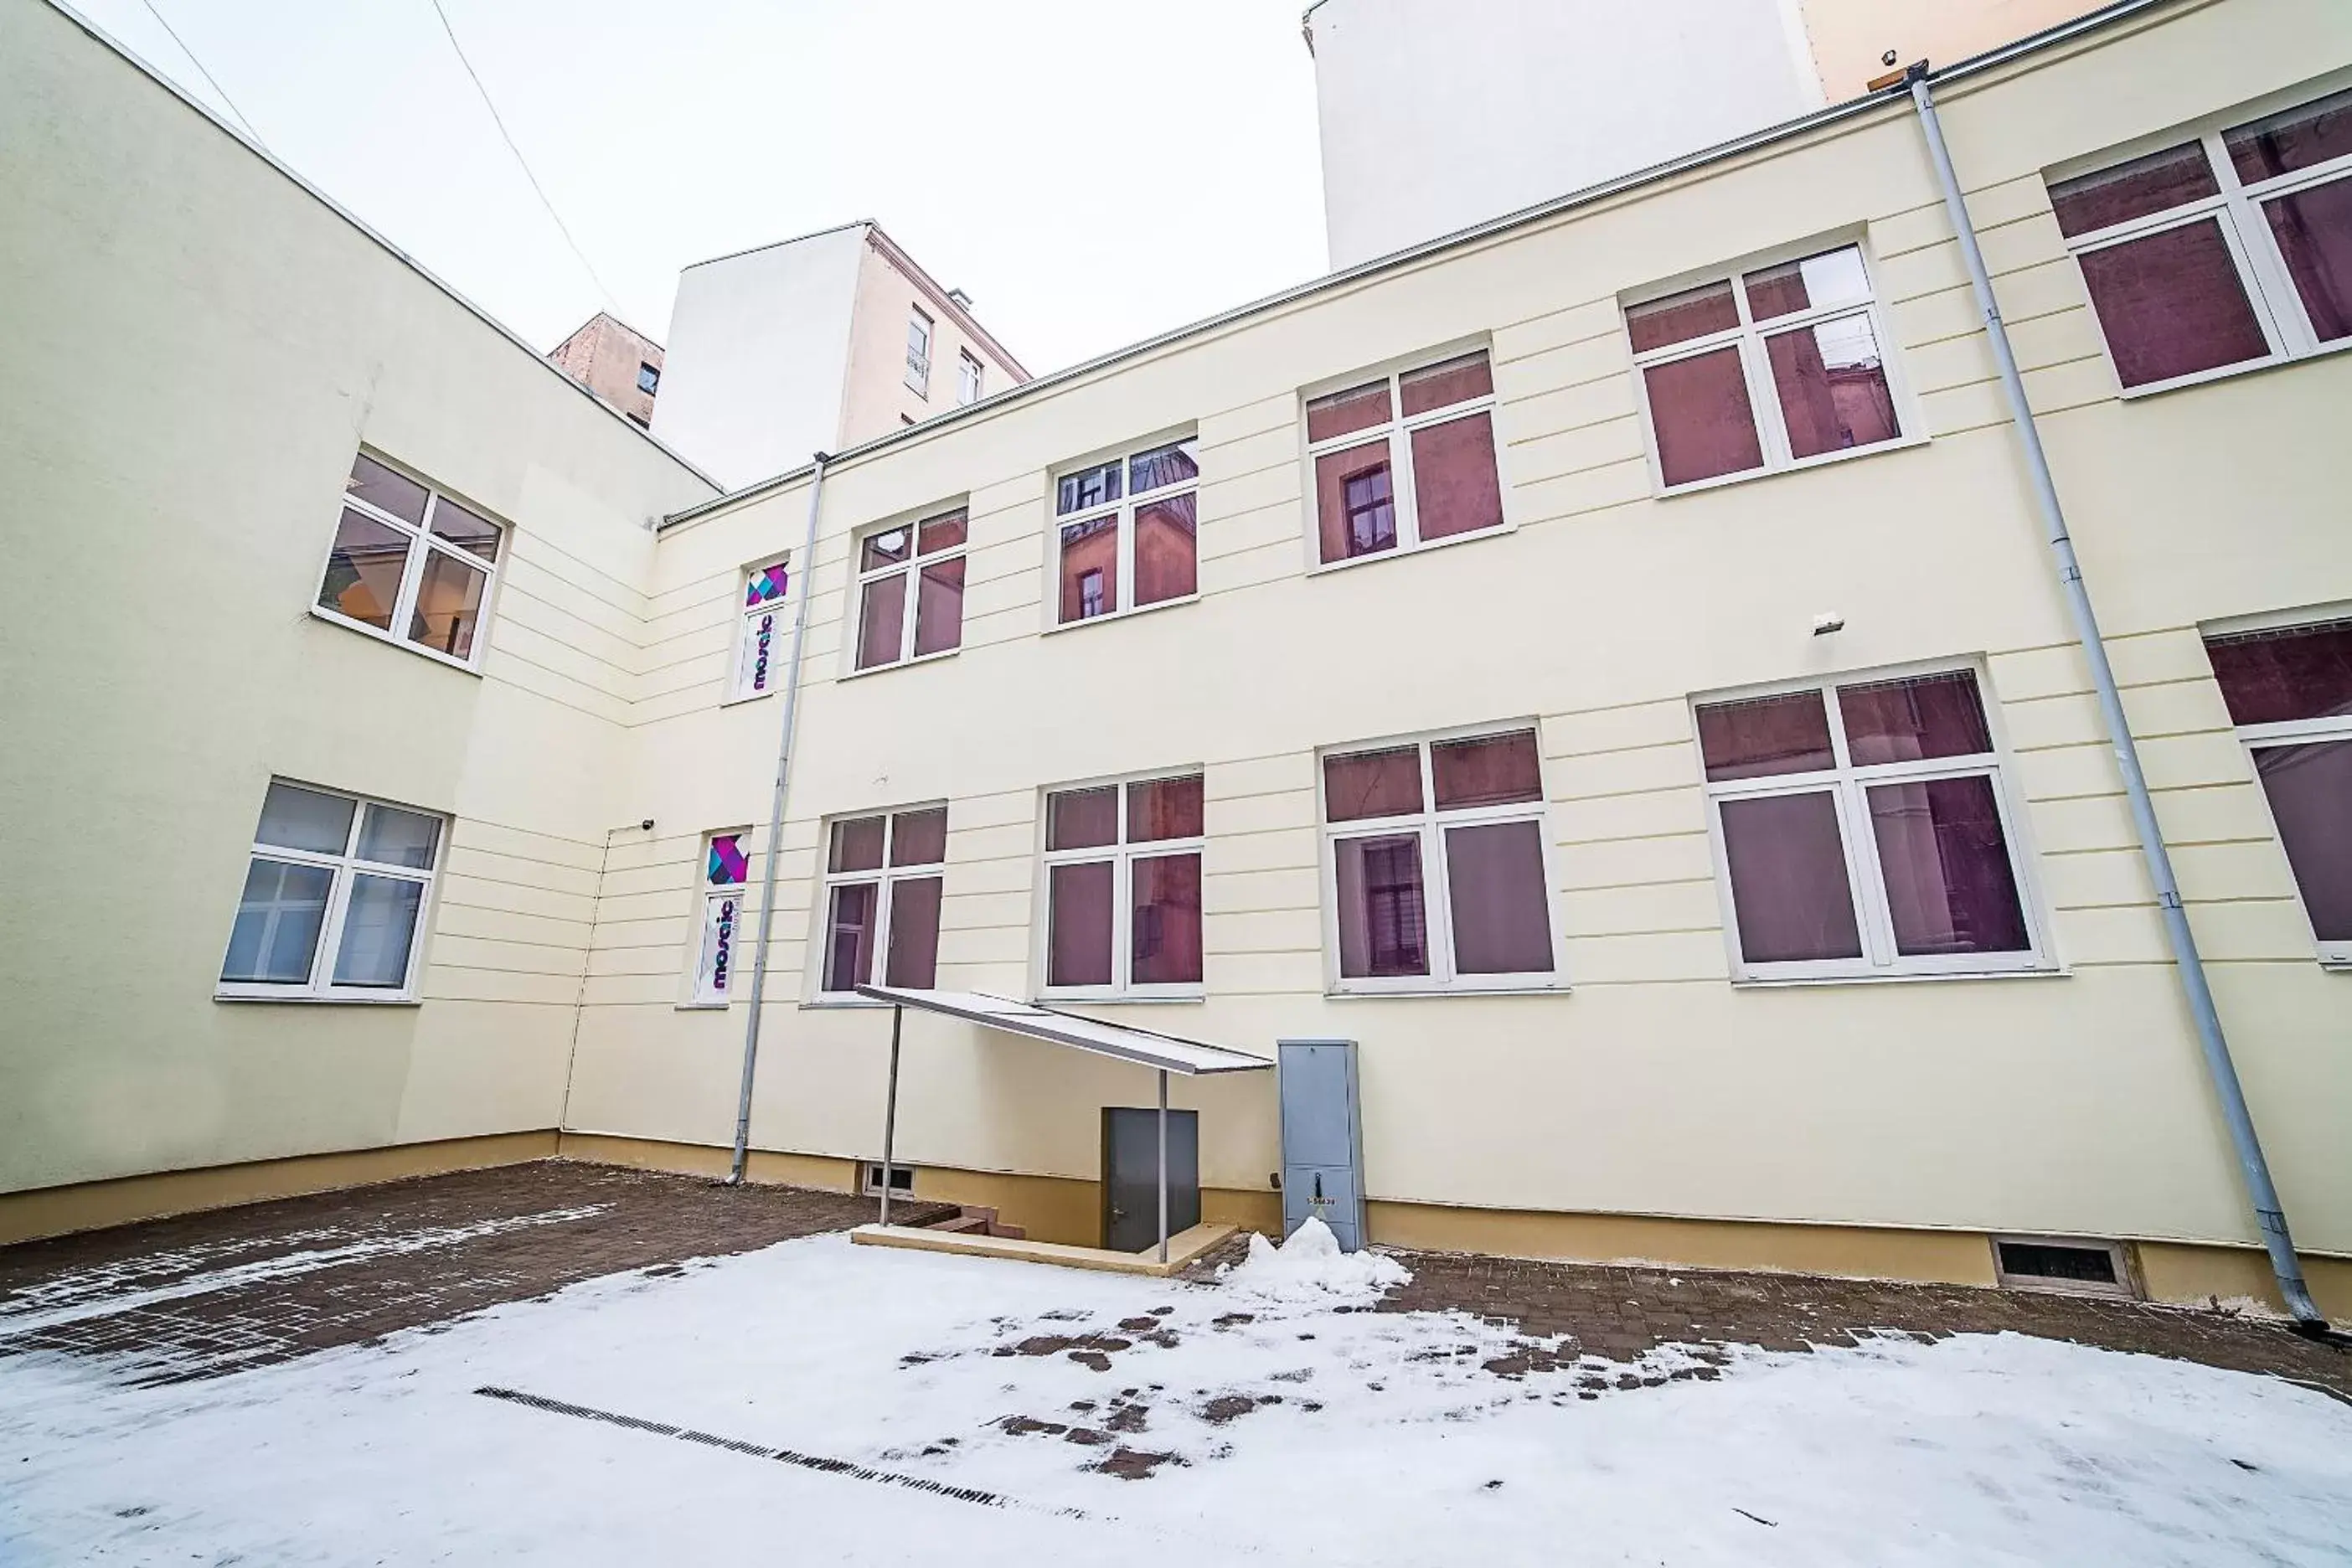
(1123, 889)
(725, 868)
(884, 875)
(335, 901)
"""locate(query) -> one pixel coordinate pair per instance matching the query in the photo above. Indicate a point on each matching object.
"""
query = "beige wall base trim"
(2210, 1275)
(819, 1172)
(1184, 1248)
(125, 1200)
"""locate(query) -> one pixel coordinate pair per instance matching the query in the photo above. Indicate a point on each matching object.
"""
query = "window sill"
(844, 1002)
(1558, 989)
(902, 663)
(1174, 999)
(1128, 615)
(1805, 465)
(316, 999)
(1780, 983)
(704, 1006)
(377, 634)
(1406, 553)
(749, 696)
(2227, 371)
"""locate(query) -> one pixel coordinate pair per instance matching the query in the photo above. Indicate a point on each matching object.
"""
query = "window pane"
(1906, 720)
(2310, 790)
(378, 928)
(1163, 466)
(1165, 938)
(2271, 677)
(2145, 185)
(1678, 318)
(919, 837)
(727, 866)
(1442, 385)
(2297, 139)
(277, 923)
(1789, 888)
(938, 607)
(463, 530)
(856, 844)
(448, 607)
(886, 549)
(882, 621)
(1078, 925)
(385, 491)
(1087, 490)
(755, 670)
(1163, 808)
(2313, 228)
(1832, 278)
(1765, 735)
(1490, 770)
(1833, 386)
(1455, 483)
(390, 837)
(849, 936)
(914, 932)
(297, 818)
(1949, 883)
(1495, 887)
(1701, 418)
(1359, 408)
(944, 532)
(1082, 818)
(1383, 928)
(764, 584)
(1372, 784)
(364, 570)
(1167, 551)
(2172, 304)
(1090, 569)
(1355, 506)
(714, 969)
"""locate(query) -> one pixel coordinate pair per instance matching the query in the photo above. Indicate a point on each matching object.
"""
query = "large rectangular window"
(1765, 369)
(910, 590)
(1861, 828)
(2290, 693)
(2230, 248)
(335, 901)
(726, 867)
(883, 878)
(1434, 855)
(1126, 533)
(760, 636)
(409, 564)
(1405, 461)
(919, 353)
(1123, 889)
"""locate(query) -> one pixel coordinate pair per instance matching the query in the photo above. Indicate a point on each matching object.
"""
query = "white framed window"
(335, 898)
(1862, 829)
(910, 590)
(1122, 875)
(1774, 367)
(1126, 532)
(2289, 690)
(969, 374)
(760, 635)
(1405, 461)
(2227, 249)
(1437, 872)
(410, 565)
(919, 353)
(725, 868)
(884, 874)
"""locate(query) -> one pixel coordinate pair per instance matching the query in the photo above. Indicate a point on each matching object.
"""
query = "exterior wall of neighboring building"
(609, 358)
(1849, 39)
(217, 344)
(879, 397)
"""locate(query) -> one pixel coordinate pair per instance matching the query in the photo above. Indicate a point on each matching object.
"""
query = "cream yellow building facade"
(1662, 1082)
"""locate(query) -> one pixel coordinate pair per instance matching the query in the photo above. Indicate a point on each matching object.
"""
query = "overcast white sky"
(1092, 171)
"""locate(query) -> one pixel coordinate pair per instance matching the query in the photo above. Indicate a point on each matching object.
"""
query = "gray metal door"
(1322, 1138)
(1131, 1175)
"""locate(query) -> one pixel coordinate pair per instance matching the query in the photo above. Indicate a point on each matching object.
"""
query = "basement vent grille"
(2029, 1263)
(902, 1180)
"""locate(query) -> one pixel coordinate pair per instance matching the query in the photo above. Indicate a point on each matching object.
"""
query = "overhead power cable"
(201, 71)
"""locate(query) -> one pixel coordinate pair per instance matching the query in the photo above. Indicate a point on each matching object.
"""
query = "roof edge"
(897, 255)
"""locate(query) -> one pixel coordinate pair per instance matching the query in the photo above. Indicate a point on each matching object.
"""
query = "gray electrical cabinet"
(1322, 1138)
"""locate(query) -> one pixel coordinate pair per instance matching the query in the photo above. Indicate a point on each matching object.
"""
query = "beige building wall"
(876, 398)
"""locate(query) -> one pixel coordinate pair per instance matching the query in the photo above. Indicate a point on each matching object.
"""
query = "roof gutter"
(1836, 113)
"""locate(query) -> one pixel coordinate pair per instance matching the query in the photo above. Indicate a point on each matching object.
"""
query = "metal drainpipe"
(2269, 1216)
(800, 568)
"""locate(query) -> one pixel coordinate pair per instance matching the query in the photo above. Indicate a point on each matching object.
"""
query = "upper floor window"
(409, 564)
(726, 867)
(1763, 370)
(2290, 694)
(1126, 532)
(1405, 461)
(648, 378)
(1861, 829)
(883, 877)
(919, 352)
(1123, 889)
(1435, 852)
(969, 375)
(2229, 249)
(759, 639)
(910, 590)
(334, 901)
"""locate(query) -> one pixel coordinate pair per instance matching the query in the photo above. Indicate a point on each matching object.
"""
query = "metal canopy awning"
(1145, 1048)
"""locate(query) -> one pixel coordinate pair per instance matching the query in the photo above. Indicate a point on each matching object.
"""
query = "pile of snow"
(1310, 1268)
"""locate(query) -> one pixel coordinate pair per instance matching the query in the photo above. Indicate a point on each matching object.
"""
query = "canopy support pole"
(1163, 1164)
(890, 1113)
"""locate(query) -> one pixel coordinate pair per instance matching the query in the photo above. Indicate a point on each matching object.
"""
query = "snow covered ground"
(934, 1409)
